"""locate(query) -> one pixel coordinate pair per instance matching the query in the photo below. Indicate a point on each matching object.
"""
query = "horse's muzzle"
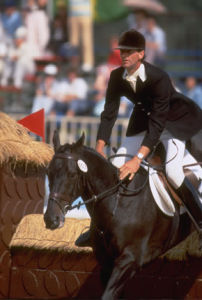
(53, 222)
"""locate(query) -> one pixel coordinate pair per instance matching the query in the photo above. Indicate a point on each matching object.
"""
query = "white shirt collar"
(139, 72)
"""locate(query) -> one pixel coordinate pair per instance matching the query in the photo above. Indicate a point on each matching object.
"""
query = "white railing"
(71, 128)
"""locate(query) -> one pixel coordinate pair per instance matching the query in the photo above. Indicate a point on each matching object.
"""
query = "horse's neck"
(101, 176)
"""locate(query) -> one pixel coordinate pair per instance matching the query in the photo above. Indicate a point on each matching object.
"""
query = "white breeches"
(175, 152)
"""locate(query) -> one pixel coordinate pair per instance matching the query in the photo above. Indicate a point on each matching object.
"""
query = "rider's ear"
(80, 142)
(56, 140)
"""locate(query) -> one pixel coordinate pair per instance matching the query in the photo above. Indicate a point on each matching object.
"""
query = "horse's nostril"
(52, 223)
(57, 221)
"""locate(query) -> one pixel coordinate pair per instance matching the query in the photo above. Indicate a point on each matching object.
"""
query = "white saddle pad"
(161, 196)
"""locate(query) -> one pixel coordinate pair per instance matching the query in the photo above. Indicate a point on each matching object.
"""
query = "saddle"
(163, 192)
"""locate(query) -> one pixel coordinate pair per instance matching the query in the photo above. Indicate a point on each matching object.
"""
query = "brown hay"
(16, 145)
(31, 233)
(187, 248)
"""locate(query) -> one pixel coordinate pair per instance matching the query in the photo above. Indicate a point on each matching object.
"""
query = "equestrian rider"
(160, 113)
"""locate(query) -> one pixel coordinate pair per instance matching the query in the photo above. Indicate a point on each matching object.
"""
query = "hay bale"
(31, 233)
(18, 147)
(187, 248)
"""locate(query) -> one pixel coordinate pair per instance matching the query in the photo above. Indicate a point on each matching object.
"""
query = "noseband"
(57, 197)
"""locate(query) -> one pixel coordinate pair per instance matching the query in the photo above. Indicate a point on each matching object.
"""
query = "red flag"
(35, 123)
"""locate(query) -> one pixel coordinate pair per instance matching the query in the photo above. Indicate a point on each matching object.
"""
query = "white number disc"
(82, 166)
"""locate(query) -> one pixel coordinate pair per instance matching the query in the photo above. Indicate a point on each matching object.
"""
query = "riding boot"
(84, 240)
(191, 201)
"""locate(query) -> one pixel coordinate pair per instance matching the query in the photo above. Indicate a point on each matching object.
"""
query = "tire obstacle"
(22, 189)
(47, 265)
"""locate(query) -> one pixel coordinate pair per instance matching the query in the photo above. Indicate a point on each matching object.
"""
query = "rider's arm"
(142, 153)
(100, 147)
(132, 166)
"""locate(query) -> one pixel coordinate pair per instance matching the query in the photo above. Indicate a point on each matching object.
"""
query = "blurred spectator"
(19, 61)
(3, 48)
(114, 58)
(58, 27)
(71, 95)
(11, 18)
(155, 42)
(80, 25)
(46, 90)
(58, 35)
(137, 20)
(37, 23)
(193, 90)
(71, 54)
(3, 52)
(103, 70)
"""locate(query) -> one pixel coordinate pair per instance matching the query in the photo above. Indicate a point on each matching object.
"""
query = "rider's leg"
(175, 150)
(196, 169)
(191, 201)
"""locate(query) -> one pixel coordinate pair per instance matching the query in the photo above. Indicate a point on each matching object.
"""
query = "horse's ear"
(80, 142)
(56, 140)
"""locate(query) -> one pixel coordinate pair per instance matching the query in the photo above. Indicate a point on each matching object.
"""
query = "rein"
(157, 168)
(56, 196)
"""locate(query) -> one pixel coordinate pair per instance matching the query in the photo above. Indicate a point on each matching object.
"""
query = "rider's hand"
(130, 168)
(100, 147)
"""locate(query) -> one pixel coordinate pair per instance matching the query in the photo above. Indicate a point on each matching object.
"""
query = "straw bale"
(187, 248)
(31, 233)
(17, 146)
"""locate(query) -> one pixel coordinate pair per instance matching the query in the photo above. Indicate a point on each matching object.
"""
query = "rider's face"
(131, 59)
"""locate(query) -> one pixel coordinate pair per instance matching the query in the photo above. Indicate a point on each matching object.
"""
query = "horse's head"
(64, 173)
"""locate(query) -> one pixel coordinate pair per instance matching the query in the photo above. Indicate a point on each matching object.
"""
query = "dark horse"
(128, 229)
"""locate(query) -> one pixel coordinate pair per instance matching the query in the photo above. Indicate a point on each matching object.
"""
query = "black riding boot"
(193, 205)
(84, 240)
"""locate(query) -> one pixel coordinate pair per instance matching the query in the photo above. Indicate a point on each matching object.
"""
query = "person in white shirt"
(71, 97)
(38, 29)
(19, 61)
(155, 42)
(44, 98)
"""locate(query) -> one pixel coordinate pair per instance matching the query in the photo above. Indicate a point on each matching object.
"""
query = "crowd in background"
(63, 88)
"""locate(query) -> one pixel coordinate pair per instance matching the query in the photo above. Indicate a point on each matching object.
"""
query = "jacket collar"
(140, 72)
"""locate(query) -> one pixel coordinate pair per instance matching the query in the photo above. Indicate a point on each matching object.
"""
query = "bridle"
(57, 197)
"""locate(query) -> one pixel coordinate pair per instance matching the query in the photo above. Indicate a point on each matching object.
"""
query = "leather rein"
(57, 197)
